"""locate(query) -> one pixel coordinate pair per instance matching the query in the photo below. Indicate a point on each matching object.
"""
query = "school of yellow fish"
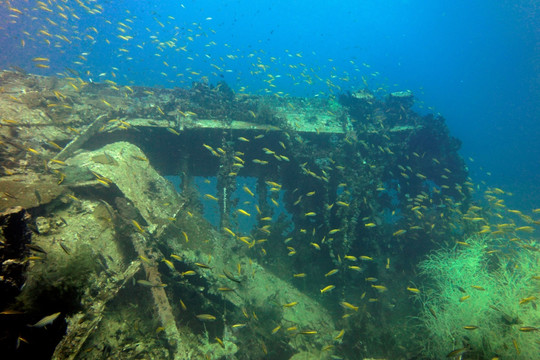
(62, 31)
(182, 50)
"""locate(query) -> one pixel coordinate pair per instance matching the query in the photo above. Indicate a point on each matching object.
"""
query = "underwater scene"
(269, 180)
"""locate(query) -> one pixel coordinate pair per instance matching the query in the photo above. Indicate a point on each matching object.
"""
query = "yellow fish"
(527, 229)
(478, 288)
(291, 304)
(169, 264)
(327, 288)
(248, 191)
(526, 300)
(47, 320)
(331, 272)
(243, 212)
(414, 290)
(138, 227)
(349, 306)
(229, 231)
(340, 334)
(206, 317)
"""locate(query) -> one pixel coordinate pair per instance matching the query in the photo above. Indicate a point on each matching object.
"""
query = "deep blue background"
(475, 62)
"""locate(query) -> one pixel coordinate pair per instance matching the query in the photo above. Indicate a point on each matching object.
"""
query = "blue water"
(475, 62)
(244, 223)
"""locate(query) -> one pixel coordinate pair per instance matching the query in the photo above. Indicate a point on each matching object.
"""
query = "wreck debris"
(83, 325)
(83, 137)
(162, 305)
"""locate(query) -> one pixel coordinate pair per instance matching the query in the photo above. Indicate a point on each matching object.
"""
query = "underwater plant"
(481, 301)
(59, 283)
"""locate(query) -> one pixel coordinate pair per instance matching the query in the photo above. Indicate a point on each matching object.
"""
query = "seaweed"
(474, 286)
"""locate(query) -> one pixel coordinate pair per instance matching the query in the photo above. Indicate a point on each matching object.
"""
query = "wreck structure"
(91, 227)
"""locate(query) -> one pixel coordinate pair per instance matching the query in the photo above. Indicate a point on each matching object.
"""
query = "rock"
(43, 225)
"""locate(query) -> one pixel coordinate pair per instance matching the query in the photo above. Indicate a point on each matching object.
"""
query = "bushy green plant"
(482, 283)
(58, 283)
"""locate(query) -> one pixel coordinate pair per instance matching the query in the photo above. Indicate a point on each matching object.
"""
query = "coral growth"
(482, 300)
